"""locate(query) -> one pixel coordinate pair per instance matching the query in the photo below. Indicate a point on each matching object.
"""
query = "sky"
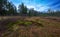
(39, 5)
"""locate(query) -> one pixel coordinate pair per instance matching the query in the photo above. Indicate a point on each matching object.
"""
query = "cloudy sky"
(39, 5)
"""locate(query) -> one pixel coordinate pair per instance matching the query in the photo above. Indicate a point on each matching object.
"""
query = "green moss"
(19, 22)
(10, 25)
(27, 23)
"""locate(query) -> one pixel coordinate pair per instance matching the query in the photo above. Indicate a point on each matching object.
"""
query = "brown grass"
(51, 28)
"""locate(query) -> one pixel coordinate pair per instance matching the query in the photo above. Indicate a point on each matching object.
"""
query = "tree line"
(9, 9)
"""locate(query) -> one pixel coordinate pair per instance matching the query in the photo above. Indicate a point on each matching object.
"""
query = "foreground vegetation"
(30, 27)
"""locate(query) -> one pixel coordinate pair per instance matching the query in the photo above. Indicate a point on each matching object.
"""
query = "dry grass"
(49, 28)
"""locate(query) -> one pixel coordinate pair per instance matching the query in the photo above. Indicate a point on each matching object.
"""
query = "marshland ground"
(18, 26)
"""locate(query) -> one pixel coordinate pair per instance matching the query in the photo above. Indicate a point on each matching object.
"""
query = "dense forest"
(9, 9)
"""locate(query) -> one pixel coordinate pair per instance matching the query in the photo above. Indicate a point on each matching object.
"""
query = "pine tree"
(22, 9)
